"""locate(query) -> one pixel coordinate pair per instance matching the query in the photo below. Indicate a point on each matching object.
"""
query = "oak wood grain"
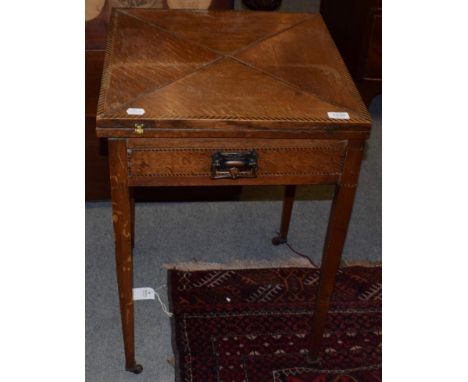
(122, 219)
(336, 234)
(191, 159)
(269, 89)
(177, 67)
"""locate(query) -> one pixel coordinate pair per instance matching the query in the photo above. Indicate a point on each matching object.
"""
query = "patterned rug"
(253, 325)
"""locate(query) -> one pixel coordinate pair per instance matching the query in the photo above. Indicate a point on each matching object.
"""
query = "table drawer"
(153, 161)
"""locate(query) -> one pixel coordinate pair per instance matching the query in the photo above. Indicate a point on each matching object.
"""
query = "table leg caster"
(137, 369)
(313, 361)
(277, 240)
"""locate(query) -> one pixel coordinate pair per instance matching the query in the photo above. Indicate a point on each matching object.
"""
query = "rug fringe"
(259, 264)
(245, 264)
(361, 263)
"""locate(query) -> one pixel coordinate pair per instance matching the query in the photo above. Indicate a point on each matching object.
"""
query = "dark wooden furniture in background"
(262, 5)
(356, 27)
(96, 166)
(228, 98)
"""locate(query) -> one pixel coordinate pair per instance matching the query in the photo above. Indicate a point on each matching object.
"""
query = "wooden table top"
(225, 70)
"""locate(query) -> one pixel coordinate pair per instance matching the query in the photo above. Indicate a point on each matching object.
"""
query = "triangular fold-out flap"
(228, 89)
(312, 63)
(224, 32)
(144, 58)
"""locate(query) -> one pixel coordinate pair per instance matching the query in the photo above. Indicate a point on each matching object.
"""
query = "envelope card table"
(216, 98)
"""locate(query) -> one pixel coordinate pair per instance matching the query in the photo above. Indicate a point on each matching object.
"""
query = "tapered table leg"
(132, 216)
(122, 219)
(334, 243)
(288, 201)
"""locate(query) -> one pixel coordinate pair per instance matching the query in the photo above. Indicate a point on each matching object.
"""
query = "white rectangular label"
(143, 294)
(338, 115)
(135, 111)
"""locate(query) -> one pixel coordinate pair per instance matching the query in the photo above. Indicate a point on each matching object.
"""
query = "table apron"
(188, 162)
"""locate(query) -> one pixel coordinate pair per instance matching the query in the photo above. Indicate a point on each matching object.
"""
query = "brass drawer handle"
(139, 128)
(234, 165)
